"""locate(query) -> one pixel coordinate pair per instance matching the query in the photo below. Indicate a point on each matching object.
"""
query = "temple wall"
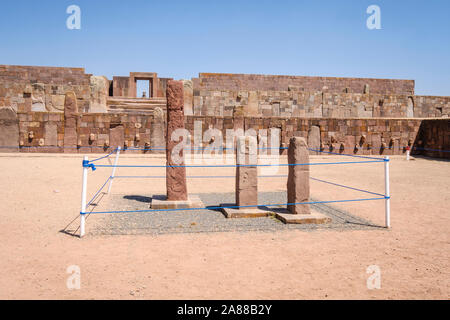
(135, 131)
(342, 110)
(255, 82)
(318, 104)
(434, 135)
(42, 89)
(333, 132)
(108, 130)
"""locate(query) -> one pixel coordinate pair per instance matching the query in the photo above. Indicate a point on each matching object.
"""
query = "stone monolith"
(247, 175)
(298, 178)
(175, 175)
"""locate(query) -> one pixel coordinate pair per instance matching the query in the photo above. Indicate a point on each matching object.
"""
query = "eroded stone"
(298, 177)
(175, 171)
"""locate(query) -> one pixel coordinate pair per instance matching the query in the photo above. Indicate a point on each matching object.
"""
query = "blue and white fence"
(93, 166)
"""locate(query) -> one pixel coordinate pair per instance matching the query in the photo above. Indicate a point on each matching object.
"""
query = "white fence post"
(83, 199)
(114, 170)
(387, 192)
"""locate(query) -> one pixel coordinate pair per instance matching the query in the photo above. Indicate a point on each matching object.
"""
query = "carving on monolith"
(246, 205)
(188, 88)
(157, 139)
(314, 139)
(246, 171)
(175, 170)
(298, 178)
(70, 121)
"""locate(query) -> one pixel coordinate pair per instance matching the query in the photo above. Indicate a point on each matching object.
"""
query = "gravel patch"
(196, 221)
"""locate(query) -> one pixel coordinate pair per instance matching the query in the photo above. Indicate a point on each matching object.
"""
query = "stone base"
(313, 218)
(243, 212)
(160, 202)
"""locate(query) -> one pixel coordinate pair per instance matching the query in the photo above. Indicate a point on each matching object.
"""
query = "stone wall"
(97, 133)
(334, 112)
(9, 129)
(255, 82)
(434, 135)
(431, 107)
(42, 89)
(318, 104)
(395, 134)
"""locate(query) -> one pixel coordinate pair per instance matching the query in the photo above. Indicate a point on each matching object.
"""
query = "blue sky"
(179, 39)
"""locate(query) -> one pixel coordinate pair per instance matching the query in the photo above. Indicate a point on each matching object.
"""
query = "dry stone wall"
(433, 139)
(97, 133)
(335, 135)
(318, 104)
(254, 82)
(42, 89)
(335, 113)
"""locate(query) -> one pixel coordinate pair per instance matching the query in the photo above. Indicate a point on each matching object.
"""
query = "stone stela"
(175, 175)
(246, 181)
(298, 178)
(176, 185)
(298, 189)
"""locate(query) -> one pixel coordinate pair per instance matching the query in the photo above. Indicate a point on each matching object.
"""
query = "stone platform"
(160, 202)
(313, 218)
(243, 212)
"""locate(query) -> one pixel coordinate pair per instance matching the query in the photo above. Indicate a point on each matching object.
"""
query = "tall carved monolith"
(175, 170)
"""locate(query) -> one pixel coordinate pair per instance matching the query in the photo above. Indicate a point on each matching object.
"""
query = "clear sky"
(179, 39)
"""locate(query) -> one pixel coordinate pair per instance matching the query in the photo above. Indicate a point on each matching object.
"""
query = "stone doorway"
(145, 79)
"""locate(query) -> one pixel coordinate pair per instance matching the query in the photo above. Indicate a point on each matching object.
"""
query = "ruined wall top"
(258, 82)
(50, 75)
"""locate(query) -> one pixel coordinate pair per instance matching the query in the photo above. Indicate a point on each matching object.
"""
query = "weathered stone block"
(246, 171)
(298, 177)
(175, 171)
(9, 130)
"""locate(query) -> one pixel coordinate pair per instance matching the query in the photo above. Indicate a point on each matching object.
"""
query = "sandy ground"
(41, 196)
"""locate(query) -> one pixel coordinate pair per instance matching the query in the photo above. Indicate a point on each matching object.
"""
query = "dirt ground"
(40, 196)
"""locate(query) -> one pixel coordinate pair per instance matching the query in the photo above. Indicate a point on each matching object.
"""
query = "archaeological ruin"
(54, 109)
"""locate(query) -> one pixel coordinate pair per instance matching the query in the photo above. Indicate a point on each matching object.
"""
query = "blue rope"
(52, 147)
(193, 177)
(164, 149)
(200, 148)
(99, 190)
(345, 154)
(115, 150)
(427, 149)
(263, 176)
(239, 165)
(237, 207)
(340, 185)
